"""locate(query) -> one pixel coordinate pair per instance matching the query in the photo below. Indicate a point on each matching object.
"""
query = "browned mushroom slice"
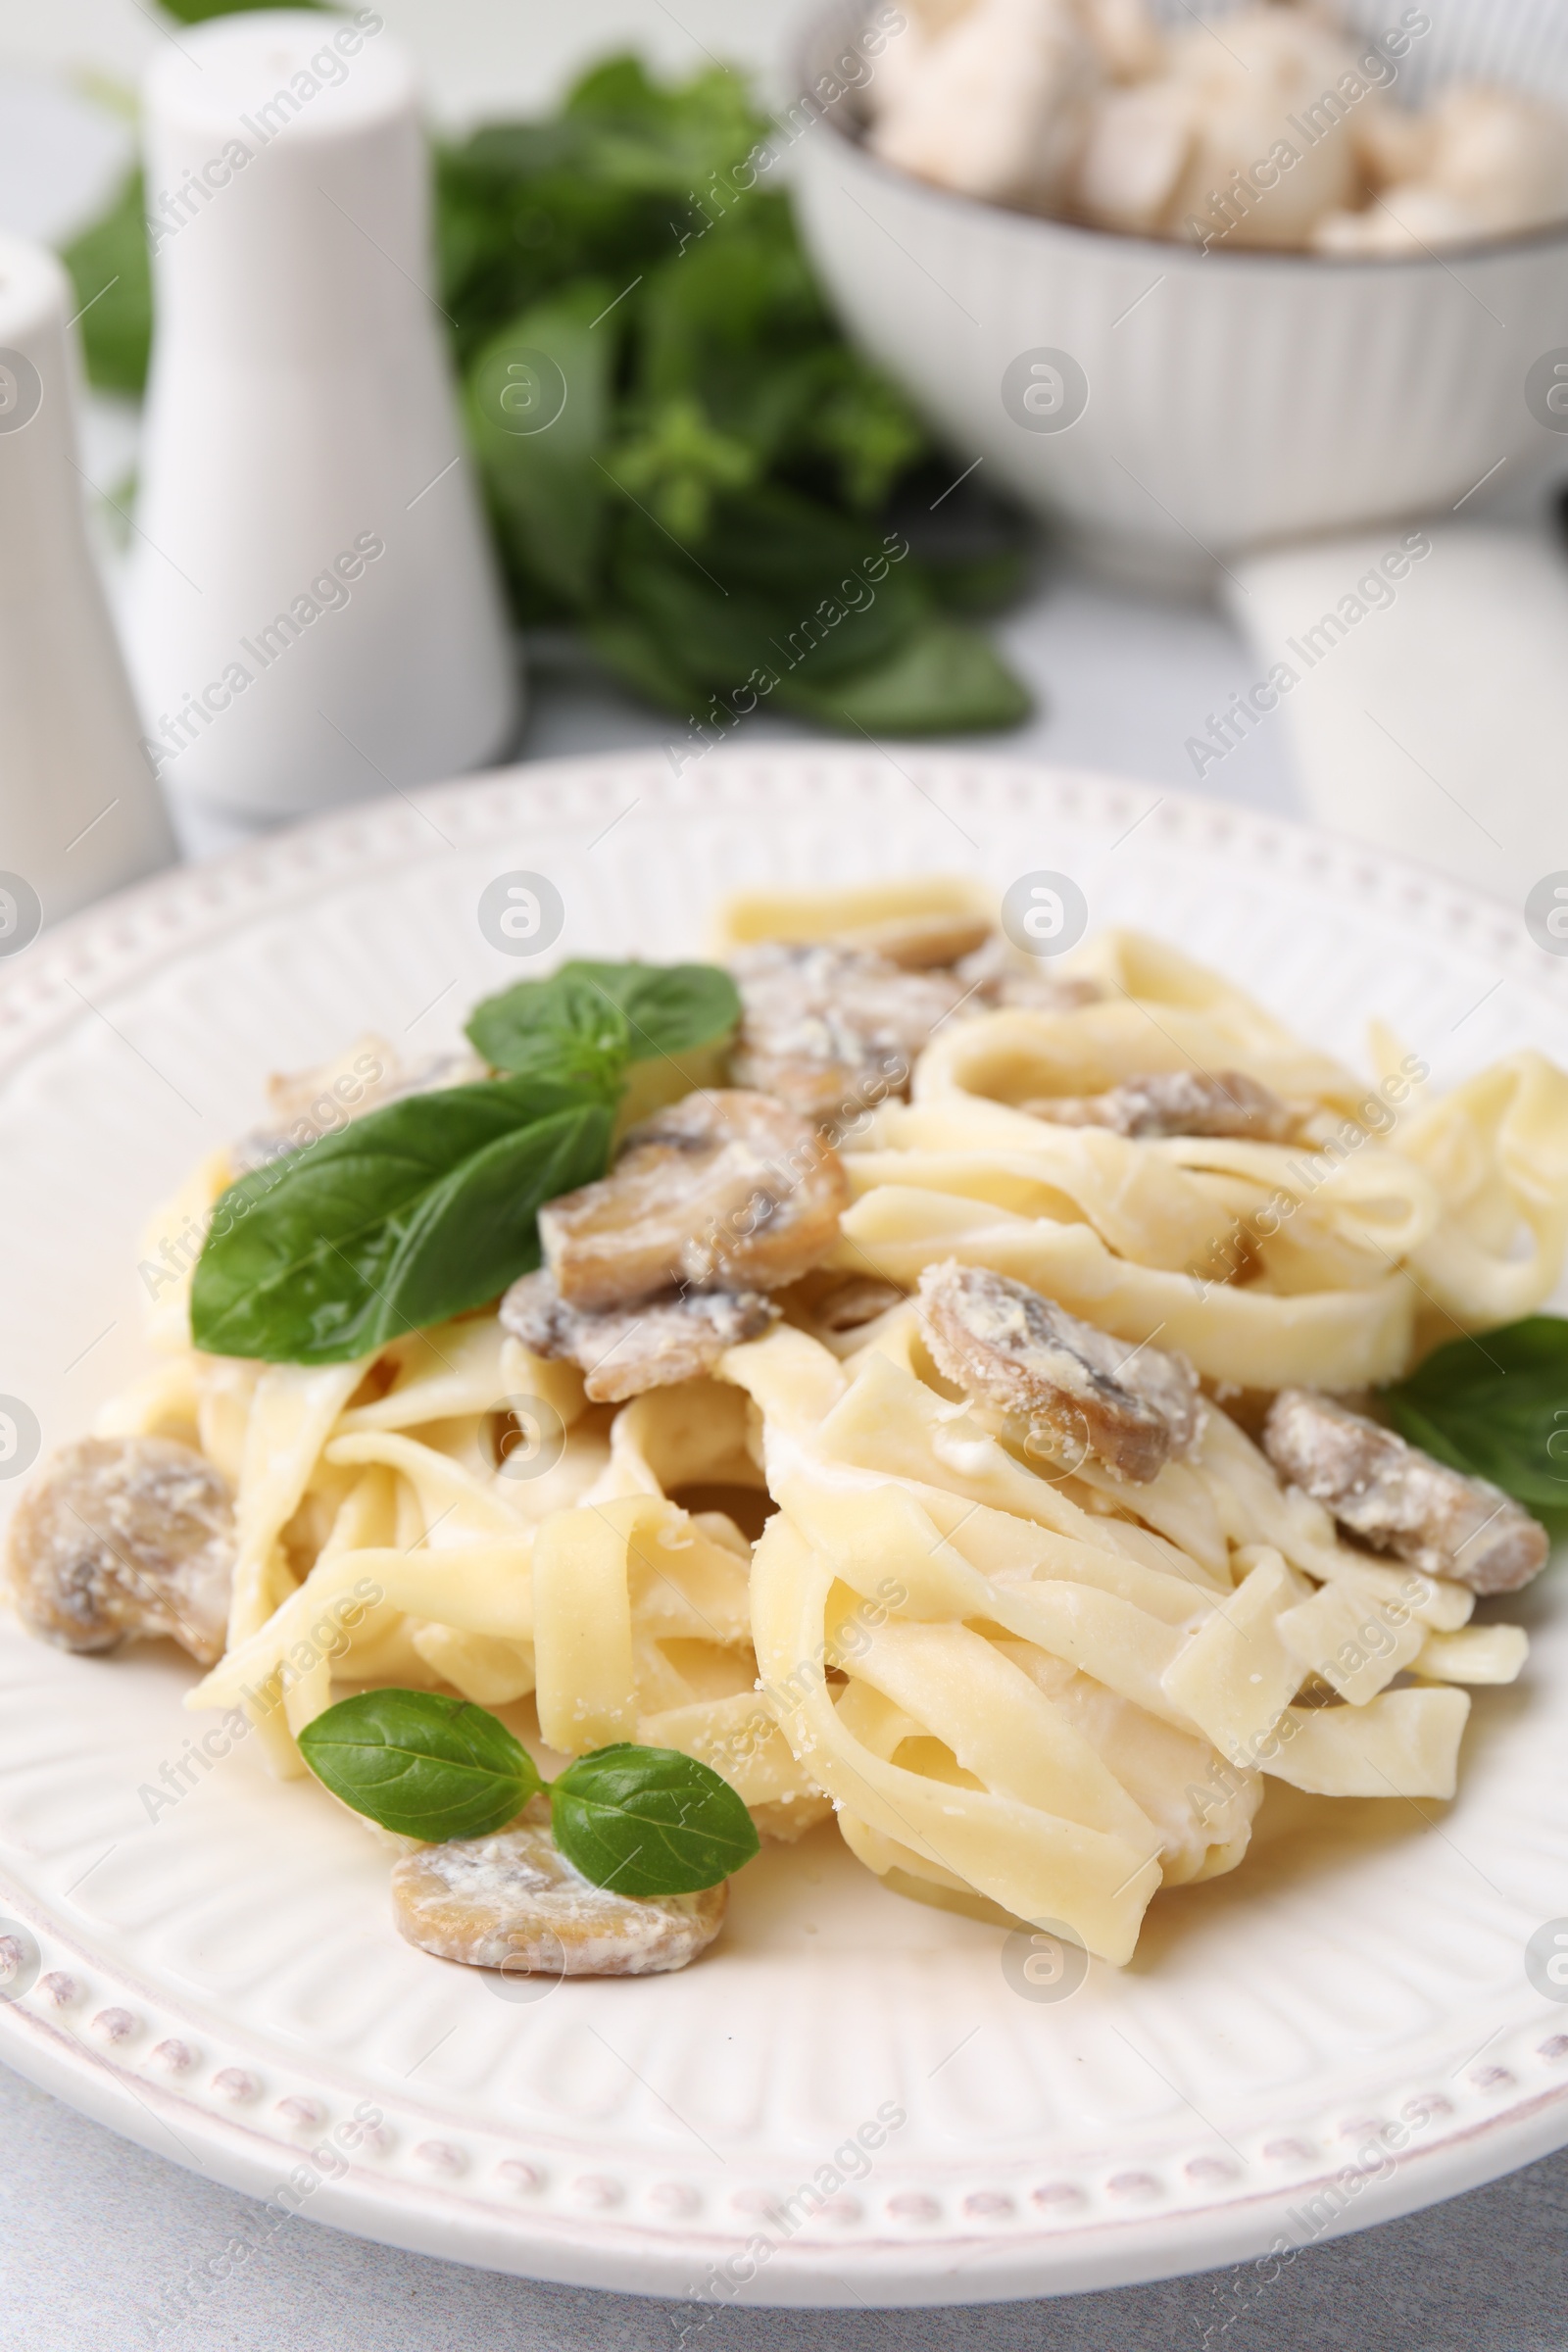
(306, 1104)
(1177, 1102)
(1076, 1390)
(839, 1311)
(918, 942)
(851, 1304)
(125, 1539)
(831, 1029)
(998, 979)
(513, 1902)
(726, 1189)
(625, 1350)
(1398, 1499)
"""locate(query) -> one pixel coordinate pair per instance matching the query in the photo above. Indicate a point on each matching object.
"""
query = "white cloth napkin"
(1427, 697)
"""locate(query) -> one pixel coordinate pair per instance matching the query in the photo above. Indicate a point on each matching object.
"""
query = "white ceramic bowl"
(1234, 398)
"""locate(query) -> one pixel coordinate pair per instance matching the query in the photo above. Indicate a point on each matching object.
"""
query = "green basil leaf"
(420, 1764)
(548, 495)
(942, 679)
(411, 1214)
(782, 589)
(605, 1016)
(633, 653)
(112, 271)
(197, 12)
(975, 587)
(649, 1821)
(565, 1028)
(669, 1007)
(1495, 1407)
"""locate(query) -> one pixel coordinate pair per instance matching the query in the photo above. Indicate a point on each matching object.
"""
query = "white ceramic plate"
(225, 1985)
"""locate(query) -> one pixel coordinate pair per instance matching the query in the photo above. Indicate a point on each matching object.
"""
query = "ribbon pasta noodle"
(1029, 1689)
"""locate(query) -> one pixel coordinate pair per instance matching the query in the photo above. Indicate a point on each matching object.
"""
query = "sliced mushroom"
(832, 1029)
(1477, 163)
(854, 1303)
(363, 1070)
(515, 1902)
(724, 1190)
(462, 1068)
(918, 942)
(625, 1350)
(1128, 37)
(839, 1311)
(1398, 1499)
(995, 979)
(1076, 1390)
(993, 106)
(306, 1105)
(125, 1539)
(1177, 1102)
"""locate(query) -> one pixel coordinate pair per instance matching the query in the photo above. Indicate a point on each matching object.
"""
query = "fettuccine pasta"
(1024, 1682)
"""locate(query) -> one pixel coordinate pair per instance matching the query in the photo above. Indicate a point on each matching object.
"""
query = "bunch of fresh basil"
(428, 1206)
(641, 1820)
(730, 501)
(682, 455)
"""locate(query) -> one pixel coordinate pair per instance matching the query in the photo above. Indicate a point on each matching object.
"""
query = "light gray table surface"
(95, 2233)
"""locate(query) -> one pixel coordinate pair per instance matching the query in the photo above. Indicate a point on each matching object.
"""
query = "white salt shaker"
(314, 611)
(79, 810)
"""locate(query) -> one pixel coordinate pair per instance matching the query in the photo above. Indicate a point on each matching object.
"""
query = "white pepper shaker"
(315, 613)
(79, 810)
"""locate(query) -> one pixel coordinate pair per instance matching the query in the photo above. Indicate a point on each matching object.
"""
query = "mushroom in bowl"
(1186, 299)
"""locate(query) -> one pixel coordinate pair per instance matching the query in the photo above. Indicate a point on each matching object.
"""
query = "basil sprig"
(428, 1206)
(1495, 1407)
(410, 1214)
(593, 1021)
(641, 1820)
